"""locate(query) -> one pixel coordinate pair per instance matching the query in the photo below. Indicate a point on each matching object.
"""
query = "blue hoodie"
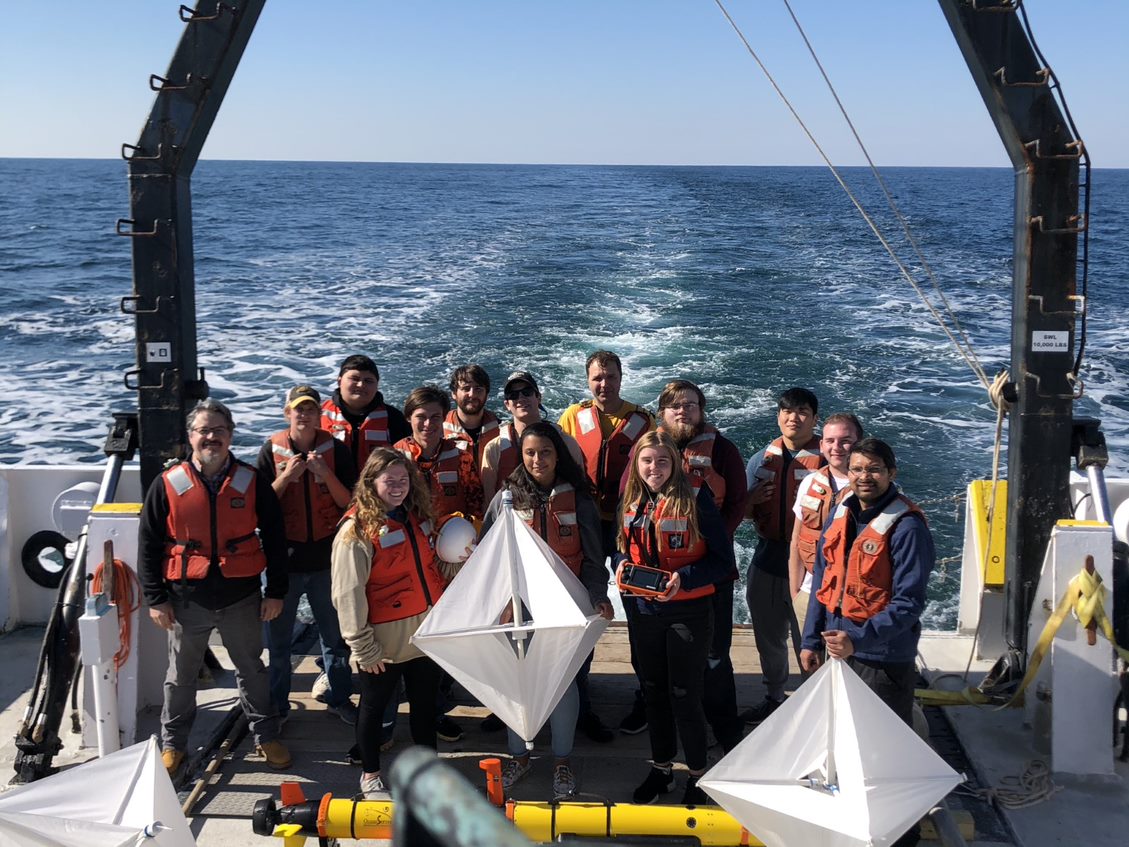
(892, 634)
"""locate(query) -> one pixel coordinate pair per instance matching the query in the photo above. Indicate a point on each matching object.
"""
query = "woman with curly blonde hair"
(668, 525)
(386, 577)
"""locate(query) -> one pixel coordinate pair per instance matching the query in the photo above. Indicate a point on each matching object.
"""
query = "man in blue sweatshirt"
(871, 571)
(872, 566)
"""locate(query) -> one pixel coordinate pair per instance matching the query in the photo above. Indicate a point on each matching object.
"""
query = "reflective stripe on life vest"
(404, 579)
(774, 517)
(606, 459)
(674, 550)
(373, 429)
(189, 529)
(309, 511)
(858, 583)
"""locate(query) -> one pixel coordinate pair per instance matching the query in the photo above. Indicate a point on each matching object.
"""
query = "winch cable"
(890, 201)
(967, 353)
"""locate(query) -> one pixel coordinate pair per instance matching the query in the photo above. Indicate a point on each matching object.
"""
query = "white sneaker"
(372, 788)
(320, 687)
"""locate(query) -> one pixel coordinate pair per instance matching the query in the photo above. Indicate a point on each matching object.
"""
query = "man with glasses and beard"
(209, 528)
(709, 458)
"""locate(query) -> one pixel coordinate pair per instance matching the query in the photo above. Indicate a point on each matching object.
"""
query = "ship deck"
(319, 742)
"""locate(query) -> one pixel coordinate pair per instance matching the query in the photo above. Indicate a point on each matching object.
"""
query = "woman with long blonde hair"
(668, 525)
(386, 577)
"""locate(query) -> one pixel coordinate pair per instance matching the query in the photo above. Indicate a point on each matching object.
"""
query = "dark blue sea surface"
(745, 280)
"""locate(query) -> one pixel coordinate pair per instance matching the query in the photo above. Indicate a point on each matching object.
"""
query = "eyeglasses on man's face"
(520, 392)
(207, 431)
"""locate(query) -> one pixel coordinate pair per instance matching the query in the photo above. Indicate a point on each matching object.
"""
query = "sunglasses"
(520, 392)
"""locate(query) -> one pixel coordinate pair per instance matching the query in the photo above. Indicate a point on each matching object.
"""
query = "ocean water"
(745, 280)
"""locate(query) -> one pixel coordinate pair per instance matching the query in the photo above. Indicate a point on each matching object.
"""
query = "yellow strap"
(1085, 595)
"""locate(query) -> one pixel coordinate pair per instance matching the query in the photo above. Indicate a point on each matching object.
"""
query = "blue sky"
(584, 81)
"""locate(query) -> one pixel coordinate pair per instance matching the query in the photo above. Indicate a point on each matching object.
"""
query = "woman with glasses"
(668, 525)
(386, 578)
(552, 494)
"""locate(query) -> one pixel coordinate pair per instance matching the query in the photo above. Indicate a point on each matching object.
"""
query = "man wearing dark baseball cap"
(523, 401)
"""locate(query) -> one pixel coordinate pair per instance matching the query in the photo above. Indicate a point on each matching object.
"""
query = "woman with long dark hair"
(668, 525)
(386, 577)
(552, 494)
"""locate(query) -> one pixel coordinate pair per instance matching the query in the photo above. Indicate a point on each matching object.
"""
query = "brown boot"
(172, 760)
(276, 754)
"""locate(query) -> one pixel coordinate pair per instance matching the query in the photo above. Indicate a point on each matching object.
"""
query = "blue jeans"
(562, 724)
(280, 634)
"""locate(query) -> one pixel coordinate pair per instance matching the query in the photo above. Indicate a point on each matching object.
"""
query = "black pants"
(719, 695)
(671, 649)
(893, 682)
(421, 679)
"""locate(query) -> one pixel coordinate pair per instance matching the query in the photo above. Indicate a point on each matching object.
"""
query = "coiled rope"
(127, 597)
(1032, 786)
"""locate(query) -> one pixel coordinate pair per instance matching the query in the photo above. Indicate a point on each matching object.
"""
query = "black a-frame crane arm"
(1018, 91)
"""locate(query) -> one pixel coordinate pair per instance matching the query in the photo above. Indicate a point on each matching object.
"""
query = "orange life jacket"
(373, 429)
(606, 459)
(308, 509)
(661, 541)
(453, 429)
(404, 580)
(448, 494)
(508, 457)
(194, 538)
(697, 461)
(858, 584)
(774, 518)
(815, 508)
(556, 523)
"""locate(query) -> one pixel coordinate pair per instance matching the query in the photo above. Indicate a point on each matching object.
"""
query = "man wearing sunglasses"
(209, 529)
(500, 457)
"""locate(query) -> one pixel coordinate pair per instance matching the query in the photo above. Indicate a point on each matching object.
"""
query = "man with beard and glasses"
(470, 422)
(357, 414)
(210, 527)
(500, 457)
(711, 459)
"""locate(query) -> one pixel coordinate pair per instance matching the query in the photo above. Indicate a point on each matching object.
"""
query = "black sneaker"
(492, 723)
(658, 782)
(760, 711)
(591, 725)
(695, 796)
(636, 720)
(447, 730)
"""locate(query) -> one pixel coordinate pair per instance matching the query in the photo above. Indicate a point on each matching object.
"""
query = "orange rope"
(127, 597)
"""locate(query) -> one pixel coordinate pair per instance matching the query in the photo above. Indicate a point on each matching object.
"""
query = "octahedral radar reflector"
(519, 668)
(833, 766)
